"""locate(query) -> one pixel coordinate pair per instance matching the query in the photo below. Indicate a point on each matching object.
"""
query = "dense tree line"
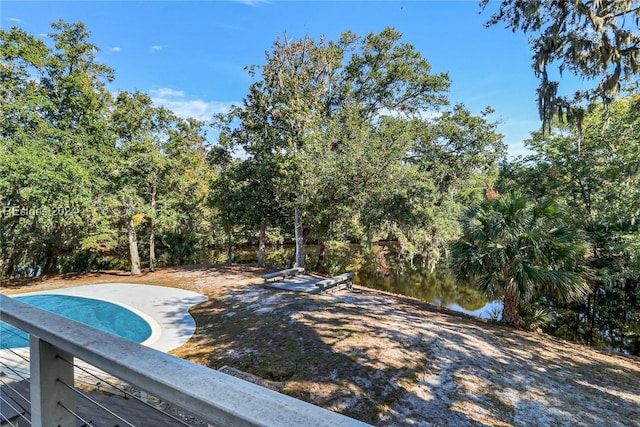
(84, 173)
(586, 158)
(336, 140)
(594, 173)
(341, 140)
(354, 139)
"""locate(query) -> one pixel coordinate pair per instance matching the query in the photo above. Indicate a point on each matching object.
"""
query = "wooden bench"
(343, 280)
(291, 272)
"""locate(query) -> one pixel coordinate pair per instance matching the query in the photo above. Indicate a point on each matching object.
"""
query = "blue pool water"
(102, 315)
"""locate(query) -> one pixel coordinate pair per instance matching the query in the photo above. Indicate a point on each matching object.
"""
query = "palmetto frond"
(490, 284)
(513, 240)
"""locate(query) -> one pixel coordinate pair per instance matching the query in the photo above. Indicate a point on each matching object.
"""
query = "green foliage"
(594, 173)
(354, 134)
(75, 163)
(338, 129)
(161, 175)
(536, 315)
(385, 76)
(53, 139)
(595, 40)
(520, 250)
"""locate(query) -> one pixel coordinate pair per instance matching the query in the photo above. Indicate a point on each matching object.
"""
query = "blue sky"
(190, 55)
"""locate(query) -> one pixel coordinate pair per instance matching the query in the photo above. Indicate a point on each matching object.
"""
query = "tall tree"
(456, 154)
(384, 86)
(313, 86)
(139, 127)
(519, 249)
(347, 126)
(595, 174)
(298, 77)
(70, 158)
(182, 215)
(56, 108)
(261, 174)
(355, 177)
(597, 41)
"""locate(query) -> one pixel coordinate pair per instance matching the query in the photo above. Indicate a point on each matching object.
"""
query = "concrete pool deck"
(167, 312)
(165, 309)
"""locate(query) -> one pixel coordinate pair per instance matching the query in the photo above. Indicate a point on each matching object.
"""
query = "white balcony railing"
(214, 397)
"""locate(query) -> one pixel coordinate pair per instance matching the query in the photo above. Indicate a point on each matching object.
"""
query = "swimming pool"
(104, 315)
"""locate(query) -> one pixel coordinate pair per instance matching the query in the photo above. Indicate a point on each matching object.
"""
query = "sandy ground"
(390, 360)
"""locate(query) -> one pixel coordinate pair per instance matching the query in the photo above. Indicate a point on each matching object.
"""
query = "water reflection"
(381, 268)
(491, 310)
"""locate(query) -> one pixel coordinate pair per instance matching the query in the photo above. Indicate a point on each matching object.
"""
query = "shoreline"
(389, 359)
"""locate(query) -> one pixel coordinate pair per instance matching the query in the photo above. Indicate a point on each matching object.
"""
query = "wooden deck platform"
(312, 284)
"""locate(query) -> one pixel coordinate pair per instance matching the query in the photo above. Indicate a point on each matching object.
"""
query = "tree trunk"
(11, 265)
(384, 269)
(321, 256)
(11, 254)
(152, 249)
(229, 240)
(50, 262)
(53, 251)
(262, 243)
(591, 313)
(152, 234)
(510, 311)
(299, 234)
(133, 248)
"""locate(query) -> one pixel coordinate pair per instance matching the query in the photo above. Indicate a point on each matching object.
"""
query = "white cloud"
(167, 92)
(156, 48)
(14, 19)
(176, 101)
(515, 149)
(116, 49)
(253, 3)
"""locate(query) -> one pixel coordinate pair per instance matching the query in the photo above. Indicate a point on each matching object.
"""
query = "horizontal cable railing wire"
(83, 382)
(98, 404)
(20, 412)
(126, 393)
(77, 417)
(212, 396)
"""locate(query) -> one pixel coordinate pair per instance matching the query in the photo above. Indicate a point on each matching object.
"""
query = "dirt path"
(394, 361)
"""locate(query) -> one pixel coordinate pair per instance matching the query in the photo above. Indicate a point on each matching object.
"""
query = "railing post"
(213, 396)
(49, 373)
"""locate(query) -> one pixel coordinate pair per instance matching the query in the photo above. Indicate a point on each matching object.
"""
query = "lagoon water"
(381, 268)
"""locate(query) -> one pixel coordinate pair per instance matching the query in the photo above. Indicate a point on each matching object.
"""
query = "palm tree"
(520, 249)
